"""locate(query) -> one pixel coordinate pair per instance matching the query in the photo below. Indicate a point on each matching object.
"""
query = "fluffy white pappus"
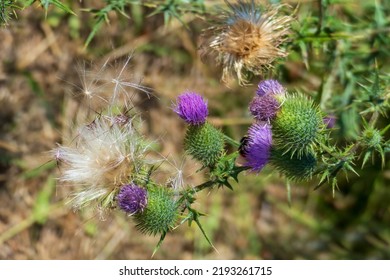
(176, 180)
(108, 84)
(101, 159)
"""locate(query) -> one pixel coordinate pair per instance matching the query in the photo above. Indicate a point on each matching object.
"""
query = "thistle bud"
(294, 167)
(160, 214)
(205, 143)
(297, 125)
(371, 137)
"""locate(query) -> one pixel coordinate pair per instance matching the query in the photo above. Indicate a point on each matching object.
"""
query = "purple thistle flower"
(192, 108)
(329, 121)
(256, 147)
(269, 87)
(132, 198)
(264, 108)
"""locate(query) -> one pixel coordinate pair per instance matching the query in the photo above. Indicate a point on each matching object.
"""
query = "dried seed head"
(245, 39)
(101, 159)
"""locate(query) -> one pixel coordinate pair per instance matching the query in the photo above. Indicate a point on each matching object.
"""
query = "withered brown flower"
(246, 39)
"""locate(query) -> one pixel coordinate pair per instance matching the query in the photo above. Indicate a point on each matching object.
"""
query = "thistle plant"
(203, 141)
(110, 165)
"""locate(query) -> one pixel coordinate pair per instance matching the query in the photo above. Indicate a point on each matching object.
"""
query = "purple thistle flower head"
(269, 87)
(192, 108)
(256, 147)
(132, 198)
(264, 108)
(329, 121)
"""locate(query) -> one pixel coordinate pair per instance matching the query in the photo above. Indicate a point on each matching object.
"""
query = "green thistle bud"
(371, 137)
(160, 213)
(294, 167)
(297, 125)
(205, 143)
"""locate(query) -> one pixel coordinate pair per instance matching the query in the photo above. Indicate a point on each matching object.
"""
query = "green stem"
(206, 185)
(201, 187)
(231, 141)
(55, 210)
(321, 7)
(374, 118)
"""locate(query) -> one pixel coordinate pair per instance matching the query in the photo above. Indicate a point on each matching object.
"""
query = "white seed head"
(102, 158)
(108, 151)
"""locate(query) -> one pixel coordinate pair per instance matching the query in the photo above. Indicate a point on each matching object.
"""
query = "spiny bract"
(297, 125)
(160, 214)
(294, 167)
(371, 137)
(205, 143)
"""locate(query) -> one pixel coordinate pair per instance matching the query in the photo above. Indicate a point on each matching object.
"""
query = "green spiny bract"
(371, 137)
(297, 126)
(160, 214)
(372, 142)
(294, 167)
(205, 143)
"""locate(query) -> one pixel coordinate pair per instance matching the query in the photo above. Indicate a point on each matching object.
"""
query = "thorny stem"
(356, 145)
(326, 148)
(201, 187)
(374, 118)
(371, 122)
(184, 195)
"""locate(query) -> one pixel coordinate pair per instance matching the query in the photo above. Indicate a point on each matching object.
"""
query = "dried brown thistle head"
(245, 39)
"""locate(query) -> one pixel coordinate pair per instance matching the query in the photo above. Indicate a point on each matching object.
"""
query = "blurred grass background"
(336, 45)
